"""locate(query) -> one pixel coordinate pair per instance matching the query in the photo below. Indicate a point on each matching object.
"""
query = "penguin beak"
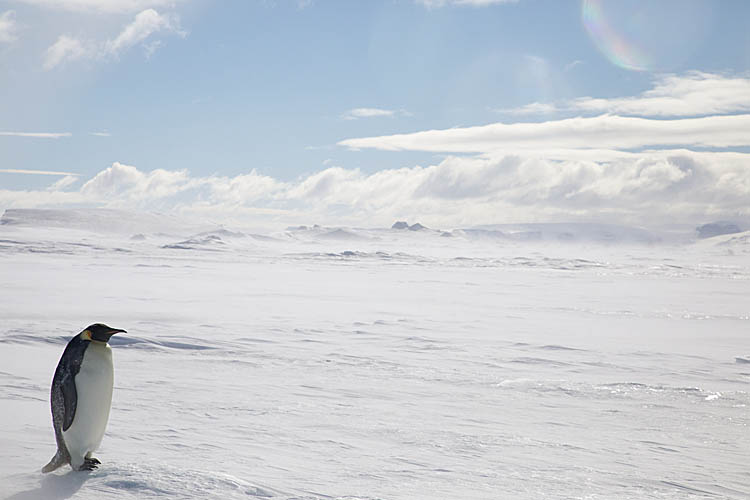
(110, 332)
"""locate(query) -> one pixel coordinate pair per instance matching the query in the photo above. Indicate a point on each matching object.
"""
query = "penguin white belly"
(94, 387)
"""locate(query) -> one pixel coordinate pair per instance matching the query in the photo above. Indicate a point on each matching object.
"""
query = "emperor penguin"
(81, 397)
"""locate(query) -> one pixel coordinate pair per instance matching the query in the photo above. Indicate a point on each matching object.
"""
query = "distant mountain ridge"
(140, 225)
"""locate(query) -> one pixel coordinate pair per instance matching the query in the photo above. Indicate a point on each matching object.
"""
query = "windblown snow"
(516, 361)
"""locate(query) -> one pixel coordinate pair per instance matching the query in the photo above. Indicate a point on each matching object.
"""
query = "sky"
(448, 112)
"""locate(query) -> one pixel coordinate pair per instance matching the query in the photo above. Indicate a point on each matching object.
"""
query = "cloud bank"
(695, 110)
(693, 94)
(645, 189)
(606, 131)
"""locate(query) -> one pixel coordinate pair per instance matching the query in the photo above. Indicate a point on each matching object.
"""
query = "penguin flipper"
(70, 398)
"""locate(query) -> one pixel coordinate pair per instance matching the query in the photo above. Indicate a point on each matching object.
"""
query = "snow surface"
(380, 363)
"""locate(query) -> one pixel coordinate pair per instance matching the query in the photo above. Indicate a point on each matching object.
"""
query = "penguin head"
(99, 332)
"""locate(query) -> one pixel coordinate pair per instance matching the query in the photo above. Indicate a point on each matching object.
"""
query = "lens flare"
(647, 35)
(612, 44)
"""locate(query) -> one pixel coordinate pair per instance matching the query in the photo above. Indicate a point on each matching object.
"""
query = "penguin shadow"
(54, 487)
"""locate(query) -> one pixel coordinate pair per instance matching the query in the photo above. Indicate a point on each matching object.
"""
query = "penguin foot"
(89, 464)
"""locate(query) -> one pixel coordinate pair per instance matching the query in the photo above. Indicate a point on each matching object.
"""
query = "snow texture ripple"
(319, 363)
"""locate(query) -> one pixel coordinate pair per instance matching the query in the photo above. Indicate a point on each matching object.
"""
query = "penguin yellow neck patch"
(86, 335)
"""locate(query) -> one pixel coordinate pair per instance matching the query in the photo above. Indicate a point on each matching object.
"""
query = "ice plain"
(545, 361)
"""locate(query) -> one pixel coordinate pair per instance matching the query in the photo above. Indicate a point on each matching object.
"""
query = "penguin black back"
(64, 379)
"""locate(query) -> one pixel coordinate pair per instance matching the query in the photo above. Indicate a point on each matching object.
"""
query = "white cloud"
(641, 188)
(606, 131)
(121, 180)
(533, 108)
(692, 94)
(431, 4)
(38, 135)
(573, 64)
(34, 172)
(67, 49)
(8, 27)
(100, 134)
(150, 48)
(63, 183)
(100, 6)
(145, 24)
(356, 113)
